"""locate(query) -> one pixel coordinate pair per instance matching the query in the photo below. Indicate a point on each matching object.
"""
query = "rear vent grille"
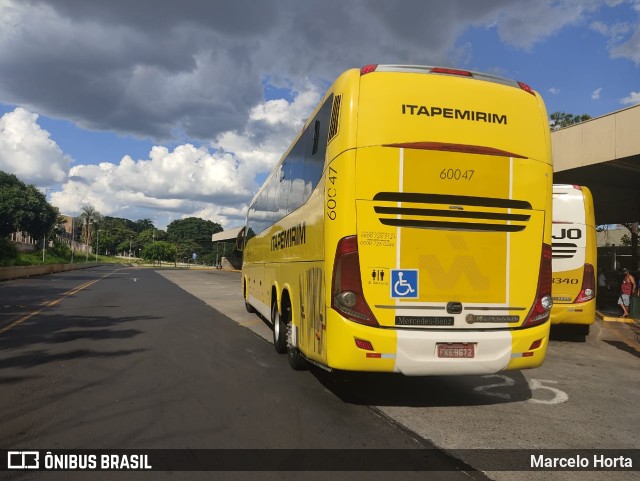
(452, 212)
(563, 250)
(335, 117)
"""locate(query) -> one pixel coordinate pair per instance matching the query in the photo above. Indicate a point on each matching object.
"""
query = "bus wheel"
(279, 330)
(247, 306)
(296, 360)
(582, 331)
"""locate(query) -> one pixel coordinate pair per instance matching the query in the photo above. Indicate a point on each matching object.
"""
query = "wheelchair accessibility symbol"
(404, 283)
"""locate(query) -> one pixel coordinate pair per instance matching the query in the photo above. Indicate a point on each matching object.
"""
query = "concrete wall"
(603, 139)
(17, 272)
(24, 247)
(231, 263)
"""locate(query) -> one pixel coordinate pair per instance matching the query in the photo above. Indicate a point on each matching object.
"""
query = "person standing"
(602, 287)
(627, 288)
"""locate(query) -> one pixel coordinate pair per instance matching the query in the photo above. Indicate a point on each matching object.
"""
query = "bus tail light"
(588, 290)
(451, 71)
(539, 313)
(526, 88)
(347, 296)
(368, 69)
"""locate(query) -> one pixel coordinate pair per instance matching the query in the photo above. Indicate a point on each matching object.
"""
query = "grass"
(35, 259)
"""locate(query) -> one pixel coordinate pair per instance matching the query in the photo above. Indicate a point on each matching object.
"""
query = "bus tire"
(296, 359)
(247, 306)
(582, 330)
(279, 330)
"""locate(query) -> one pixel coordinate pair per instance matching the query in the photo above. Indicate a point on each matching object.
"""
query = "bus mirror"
(240, 239)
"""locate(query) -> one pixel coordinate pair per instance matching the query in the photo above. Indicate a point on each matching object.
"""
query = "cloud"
(154, 68)
(554, 90)
(27, 151)
(195, 70)
(214, 183)
(596, 93)
(623, 38)
(629, 49)
(632, 99)
(524, 25)
(181, 181)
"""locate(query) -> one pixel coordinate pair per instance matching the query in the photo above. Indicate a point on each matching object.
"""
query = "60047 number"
(456, 174)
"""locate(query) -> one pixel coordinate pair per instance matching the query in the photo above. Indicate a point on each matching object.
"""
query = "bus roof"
(444, 71)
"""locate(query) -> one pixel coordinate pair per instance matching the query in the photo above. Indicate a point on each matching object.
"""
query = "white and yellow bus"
(407, 228)
(575, 256)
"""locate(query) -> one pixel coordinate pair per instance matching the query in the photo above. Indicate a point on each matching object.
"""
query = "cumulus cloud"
(629, 49)
(632, 99)
(181, 181)
(27, 150)
(596, 93)
(524, 25)
(196, 67)
(623, 38)
(215, 182)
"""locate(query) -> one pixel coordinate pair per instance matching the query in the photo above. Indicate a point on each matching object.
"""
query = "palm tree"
(144, 224)
(88, 216)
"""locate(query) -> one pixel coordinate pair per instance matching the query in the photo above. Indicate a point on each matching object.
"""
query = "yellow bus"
(575, 256)
(407, 228)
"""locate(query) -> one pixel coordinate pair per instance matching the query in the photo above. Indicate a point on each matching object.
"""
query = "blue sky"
(163, 112)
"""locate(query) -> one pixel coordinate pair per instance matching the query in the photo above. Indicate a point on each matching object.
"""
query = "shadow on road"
(381, 389)
(50, 338)
(624, 347)
(567, 332)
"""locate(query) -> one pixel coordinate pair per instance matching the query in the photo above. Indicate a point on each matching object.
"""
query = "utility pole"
(73, 235)
(44, 237)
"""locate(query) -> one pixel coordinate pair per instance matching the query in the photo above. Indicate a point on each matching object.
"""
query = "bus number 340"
(456, 174)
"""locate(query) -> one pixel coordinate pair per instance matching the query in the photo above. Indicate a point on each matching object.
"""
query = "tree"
(89, 216)
(23, 208)
(562, 119)
(195, 230)
(150, 235)
(143, 224)
(159, 251)
(186, 249)
(631, 239)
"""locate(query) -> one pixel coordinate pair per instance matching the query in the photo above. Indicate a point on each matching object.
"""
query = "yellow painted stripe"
(54, 302)
(621, 320)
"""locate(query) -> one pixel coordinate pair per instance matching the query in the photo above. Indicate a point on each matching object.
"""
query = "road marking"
(54, 302)
(620, 320)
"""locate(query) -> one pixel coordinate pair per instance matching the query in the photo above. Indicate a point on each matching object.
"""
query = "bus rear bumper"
(414, 352)
(583, 313)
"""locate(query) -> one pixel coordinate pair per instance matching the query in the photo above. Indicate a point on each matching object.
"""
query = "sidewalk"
(613, 314)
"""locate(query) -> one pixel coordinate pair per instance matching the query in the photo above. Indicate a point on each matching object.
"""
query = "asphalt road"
(121, 358)
(585, 396)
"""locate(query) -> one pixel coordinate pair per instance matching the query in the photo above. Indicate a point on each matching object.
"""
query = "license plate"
(456, 350)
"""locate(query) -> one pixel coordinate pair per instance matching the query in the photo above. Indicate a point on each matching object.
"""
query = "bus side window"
(316, 137)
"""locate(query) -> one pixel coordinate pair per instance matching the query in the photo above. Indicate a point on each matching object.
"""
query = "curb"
(18, 272)
(606, 318)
